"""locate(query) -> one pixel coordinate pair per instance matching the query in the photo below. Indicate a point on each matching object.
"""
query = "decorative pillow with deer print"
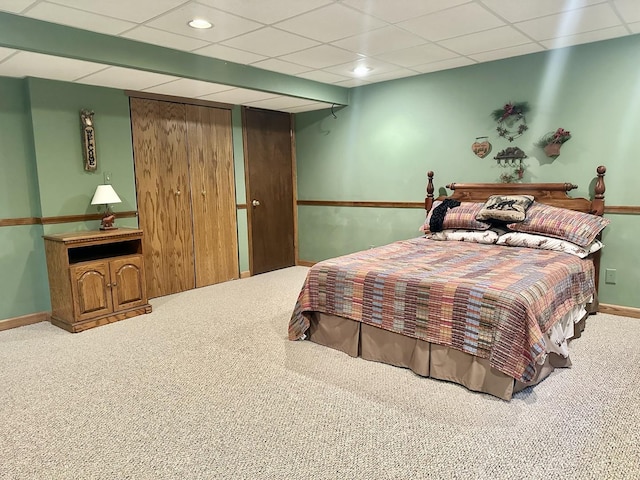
(505, 208)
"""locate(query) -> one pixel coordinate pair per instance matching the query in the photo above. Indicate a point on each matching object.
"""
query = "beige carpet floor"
(208, 387)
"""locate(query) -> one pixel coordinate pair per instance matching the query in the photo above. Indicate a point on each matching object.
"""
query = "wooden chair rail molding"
(617, 209)
(375, 204)
(11, 222)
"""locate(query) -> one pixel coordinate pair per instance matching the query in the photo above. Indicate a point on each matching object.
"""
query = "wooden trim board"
(619, 310)
(25, 320)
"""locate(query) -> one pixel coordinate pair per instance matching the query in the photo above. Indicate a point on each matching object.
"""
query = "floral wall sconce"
(552, 141)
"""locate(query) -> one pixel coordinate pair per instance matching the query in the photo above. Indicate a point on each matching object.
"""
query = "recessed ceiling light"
(361, 70)
(199, 23)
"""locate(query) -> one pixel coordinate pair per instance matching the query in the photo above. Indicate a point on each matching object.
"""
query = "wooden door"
(213, 198)
(127, 282)
(162, 184)
(270, 199)
(91, 286)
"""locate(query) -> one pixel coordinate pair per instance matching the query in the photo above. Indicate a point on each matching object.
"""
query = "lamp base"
(107, 221)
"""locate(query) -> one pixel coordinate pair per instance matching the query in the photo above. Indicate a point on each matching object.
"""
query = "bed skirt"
(424, 358)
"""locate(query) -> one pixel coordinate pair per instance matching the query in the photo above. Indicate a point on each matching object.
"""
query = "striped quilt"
(491, 301)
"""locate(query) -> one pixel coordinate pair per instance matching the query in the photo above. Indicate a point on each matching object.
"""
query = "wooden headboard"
(549, 193)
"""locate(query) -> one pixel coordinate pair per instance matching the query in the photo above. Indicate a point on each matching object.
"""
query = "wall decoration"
(88, 140)
(511, 120)
(481, 148)
(511, 157)
(552, 141)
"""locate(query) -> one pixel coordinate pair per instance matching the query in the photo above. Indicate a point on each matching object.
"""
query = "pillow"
(505, 208)
(461, 235)
(530, 240)
(460, 217)
(575, 227)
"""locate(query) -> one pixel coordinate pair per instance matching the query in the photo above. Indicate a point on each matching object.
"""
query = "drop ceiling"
(320, 40)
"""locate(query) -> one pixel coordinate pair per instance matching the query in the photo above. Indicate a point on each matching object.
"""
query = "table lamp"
(105, 194)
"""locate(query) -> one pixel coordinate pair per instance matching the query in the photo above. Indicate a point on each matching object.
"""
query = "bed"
(490, 308)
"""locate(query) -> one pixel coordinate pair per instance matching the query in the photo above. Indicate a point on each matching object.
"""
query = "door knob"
(255, 203)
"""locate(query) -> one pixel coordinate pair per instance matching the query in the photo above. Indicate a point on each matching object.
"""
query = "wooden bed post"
(597, 205)
(597, 208)
(428, 201)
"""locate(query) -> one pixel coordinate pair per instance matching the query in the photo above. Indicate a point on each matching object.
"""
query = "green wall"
(241, 194)
(380, 147)
(65, 187)
(22, 264)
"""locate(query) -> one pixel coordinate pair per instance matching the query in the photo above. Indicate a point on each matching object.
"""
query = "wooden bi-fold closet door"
(186, 201)
(213, 194)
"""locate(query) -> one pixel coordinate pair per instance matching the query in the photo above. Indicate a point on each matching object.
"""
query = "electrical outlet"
(610, 275)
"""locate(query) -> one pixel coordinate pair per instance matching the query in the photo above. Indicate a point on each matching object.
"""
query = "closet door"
(162, 184)
(212, 194)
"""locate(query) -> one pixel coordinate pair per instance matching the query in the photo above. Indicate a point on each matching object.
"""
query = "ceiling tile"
(395, 74)
(309, 108)
(398, 10)
(16, 6)
(379, 41)
(186, 87)
(6, 52)
(351, 32)
(485, 41)
(266, 11)
(629, 9)
(461, 20)
(517, 11)
(277, 65)
(331, 23)
(277, 103)
(238, 96)
(444, 65)
(418, 55)
(507, 52)
(164, 39)
(322, 76)
(595, 36)
(125, 78)
(354, 82)
(28, 64)
(78, 18)
(322, 56)
(225, 25)
(137, 11)
(377, 67)
(229, 54)
(270, 42)
(564, 24)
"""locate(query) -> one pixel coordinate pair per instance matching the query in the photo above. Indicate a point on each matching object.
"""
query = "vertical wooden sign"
(88, 140)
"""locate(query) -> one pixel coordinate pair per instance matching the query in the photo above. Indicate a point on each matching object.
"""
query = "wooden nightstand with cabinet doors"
(95, 277)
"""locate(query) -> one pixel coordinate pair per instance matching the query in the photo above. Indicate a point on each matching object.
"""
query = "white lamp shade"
(105, 194)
